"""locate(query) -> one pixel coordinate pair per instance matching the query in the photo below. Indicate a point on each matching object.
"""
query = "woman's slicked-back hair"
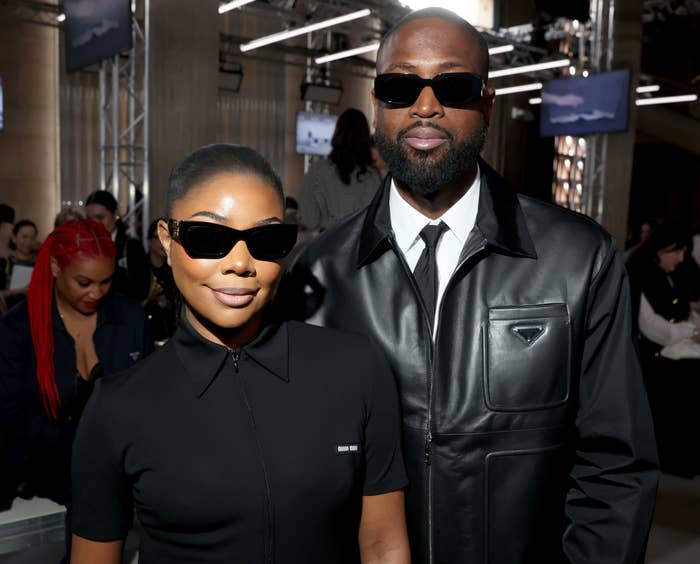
(212, 160)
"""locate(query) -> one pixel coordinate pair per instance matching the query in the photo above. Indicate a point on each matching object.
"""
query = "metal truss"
(124, 167)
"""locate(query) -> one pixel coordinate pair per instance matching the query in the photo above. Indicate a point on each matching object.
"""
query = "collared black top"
(256, 455)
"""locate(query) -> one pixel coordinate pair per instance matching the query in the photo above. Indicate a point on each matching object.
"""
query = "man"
(527, 435)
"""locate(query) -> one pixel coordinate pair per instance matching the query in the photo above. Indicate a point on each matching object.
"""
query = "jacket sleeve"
(614, 476)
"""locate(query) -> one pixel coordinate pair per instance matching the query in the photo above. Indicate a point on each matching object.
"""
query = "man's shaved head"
(446, 15)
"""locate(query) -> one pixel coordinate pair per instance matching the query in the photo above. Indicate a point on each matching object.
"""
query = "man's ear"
(55, 269)
(165, 239)
(487, 103)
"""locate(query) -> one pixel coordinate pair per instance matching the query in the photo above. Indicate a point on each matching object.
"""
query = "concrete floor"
(674, 539)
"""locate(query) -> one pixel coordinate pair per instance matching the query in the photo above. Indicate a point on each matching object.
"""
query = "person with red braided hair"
(69, 332)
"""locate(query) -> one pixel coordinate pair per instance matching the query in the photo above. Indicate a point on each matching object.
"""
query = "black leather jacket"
(527, 434)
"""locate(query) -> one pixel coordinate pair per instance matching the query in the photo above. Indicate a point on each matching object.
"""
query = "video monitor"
(95, 30)
(579, 105)
(314, 133)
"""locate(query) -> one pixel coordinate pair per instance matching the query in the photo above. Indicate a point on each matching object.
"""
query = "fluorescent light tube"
(666, 100)
(281, 36)
(233, 5)
(520, 88)
(650, 88)
(501, 49)
(348, 53)
(530, 68)
(535, 101)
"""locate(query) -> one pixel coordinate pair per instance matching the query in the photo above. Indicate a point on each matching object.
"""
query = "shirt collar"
(500, 220)
(203, 360)
(407, 222)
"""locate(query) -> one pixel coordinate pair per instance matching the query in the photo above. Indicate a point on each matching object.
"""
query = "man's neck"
(436, 204)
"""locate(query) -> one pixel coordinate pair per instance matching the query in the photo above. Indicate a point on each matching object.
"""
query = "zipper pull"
(236, 355)
(428, 440)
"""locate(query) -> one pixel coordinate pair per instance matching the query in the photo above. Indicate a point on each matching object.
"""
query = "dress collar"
(203, 360)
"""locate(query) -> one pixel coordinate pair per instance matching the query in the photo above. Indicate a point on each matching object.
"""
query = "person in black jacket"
(526, 427)
(132, 275)
(55, 345)
(242, 439)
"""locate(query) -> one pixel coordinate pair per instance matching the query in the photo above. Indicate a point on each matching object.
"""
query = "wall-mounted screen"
(95, 30)
(314, 133)
(598, 103)
(2, 106)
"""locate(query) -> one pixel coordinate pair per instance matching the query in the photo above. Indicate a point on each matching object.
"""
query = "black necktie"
(425, 272)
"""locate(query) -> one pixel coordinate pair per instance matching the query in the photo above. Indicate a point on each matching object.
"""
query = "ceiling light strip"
(228, 6)
(650, 88)
(501, 49)
(535, 101)
(666, 100)
(530, 68)
(345, 54)
(281, 36)
(520, 88)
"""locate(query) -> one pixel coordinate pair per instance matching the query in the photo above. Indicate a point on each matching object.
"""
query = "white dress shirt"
(407, 223)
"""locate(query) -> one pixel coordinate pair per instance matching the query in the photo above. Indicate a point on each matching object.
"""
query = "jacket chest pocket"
(527, 353)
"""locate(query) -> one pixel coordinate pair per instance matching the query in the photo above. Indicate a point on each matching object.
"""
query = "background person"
(23, 247)
(55, 345)
(161, 302)
(506, 321)
(344, 182)
(132, 273)
(666, 319)
(7, 220)
(242, 439)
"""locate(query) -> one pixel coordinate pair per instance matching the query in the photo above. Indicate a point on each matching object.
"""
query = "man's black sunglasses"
(204, 240)
(452, 89)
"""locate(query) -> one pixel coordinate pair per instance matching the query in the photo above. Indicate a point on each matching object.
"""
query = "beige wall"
(28, 143)
(183, 86)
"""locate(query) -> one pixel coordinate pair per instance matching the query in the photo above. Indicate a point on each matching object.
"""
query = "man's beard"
(425, 172)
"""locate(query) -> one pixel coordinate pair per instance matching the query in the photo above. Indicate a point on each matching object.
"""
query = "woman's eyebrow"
(268, 221)
(210, 215)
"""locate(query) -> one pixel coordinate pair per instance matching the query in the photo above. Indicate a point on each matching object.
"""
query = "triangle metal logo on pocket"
(528, 334)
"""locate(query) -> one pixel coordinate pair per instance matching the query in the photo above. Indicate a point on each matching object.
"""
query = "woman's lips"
(90, 305)
(234, 297)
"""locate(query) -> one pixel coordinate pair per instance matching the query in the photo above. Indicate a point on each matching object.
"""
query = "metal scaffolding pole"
(124, 124)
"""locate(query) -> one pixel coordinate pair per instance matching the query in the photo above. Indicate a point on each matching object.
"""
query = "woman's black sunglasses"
(204, 240)
(452, 89)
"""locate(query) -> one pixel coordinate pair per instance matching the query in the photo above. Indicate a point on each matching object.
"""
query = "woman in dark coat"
(55, 345)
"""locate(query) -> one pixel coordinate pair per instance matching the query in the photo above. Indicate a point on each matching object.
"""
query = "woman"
(666, 319)
(346, 181)
(66, 334)
(242, 439)
(132, 274)
(23, 246)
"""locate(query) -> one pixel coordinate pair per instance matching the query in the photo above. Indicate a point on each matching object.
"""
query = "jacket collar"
(203, 360)
(500, 220)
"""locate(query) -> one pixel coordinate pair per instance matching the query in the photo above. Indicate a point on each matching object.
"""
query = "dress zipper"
(269, 536)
